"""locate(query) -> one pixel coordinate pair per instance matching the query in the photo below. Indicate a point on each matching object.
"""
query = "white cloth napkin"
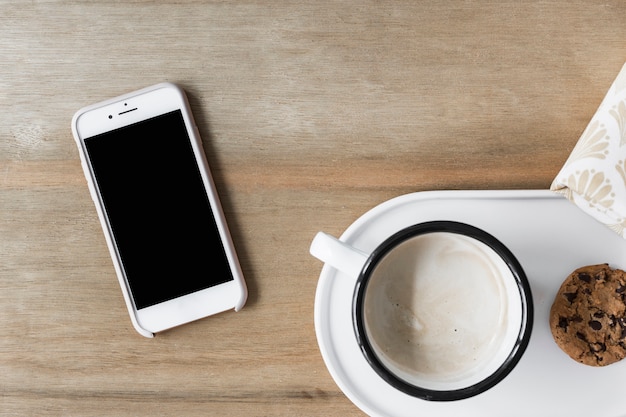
(594, 175)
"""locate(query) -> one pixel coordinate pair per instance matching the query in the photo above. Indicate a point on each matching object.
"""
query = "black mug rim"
(517, 272)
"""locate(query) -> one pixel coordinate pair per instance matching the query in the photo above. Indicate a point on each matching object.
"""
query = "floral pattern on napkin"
(594, 175)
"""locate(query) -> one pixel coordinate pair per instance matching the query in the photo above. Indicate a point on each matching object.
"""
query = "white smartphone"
(162, 220)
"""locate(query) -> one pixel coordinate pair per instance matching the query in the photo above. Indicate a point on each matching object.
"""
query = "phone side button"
(92, 190)
(89, 183)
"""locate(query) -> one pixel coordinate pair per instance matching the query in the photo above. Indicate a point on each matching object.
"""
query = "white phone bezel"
(126, 110)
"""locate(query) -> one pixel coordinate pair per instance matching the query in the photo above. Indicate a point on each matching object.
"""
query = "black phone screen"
(158, 209)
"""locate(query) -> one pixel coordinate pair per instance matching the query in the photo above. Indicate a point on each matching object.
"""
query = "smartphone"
(163, 223)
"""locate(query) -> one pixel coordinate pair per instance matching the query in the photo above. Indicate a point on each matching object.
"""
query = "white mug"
(441, 310)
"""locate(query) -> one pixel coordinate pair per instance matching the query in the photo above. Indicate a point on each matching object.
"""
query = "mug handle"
(338, 254)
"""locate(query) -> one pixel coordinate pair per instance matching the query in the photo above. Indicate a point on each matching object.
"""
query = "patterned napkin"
(594, 175)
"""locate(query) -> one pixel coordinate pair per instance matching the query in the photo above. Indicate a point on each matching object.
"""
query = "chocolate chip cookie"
(588, 316)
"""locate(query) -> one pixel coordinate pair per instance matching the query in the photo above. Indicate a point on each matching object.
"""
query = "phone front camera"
(110, 116)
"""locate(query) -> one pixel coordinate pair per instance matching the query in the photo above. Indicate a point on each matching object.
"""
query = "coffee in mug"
(436, 309)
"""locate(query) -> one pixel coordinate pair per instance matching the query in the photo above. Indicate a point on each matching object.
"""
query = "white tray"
(550, 237)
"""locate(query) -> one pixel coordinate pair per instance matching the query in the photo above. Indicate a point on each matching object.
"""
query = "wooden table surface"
(311, 113)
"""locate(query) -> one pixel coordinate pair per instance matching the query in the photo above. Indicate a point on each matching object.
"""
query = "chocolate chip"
(570, 296)
(620, 289)
(563, 323)
(583, 276)
(581, 336)
(599, 314)
(595, 325)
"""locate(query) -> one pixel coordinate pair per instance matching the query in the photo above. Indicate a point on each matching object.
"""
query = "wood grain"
(311, 113)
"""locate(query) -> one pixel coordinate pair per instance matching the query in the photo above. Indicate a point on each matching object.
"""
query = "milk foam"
(437, 310)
